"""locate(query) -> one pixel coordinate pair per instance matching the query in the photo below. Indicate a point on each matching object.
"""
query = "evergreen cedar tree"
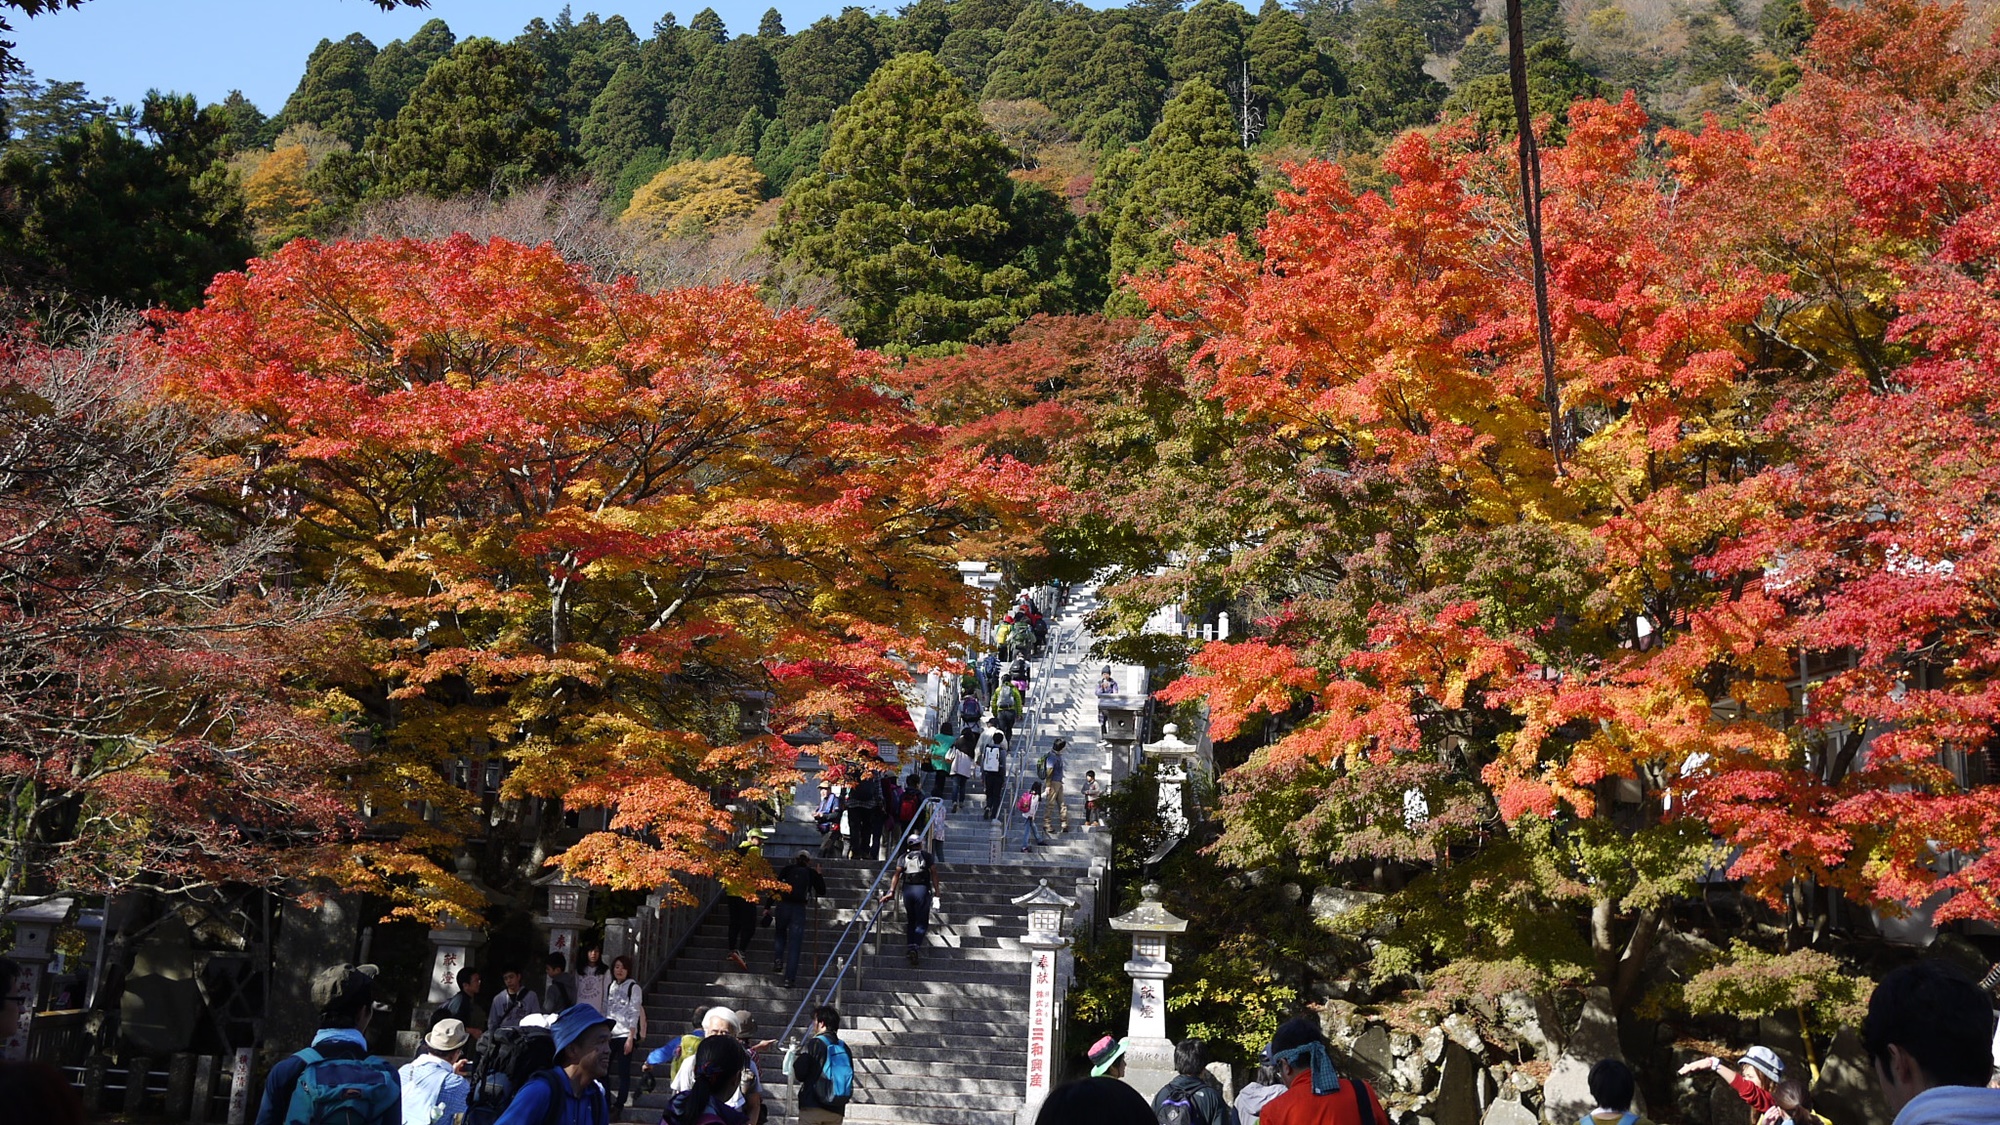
(1778, 354)
(587, 520)
(914, 216)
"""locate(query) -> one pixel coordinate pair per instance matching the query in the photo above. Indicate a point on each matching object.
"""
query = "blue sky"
(121, 48)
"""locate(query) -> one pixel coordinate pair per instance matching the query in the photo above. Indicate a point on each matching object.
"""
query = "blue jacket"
(531, 1105)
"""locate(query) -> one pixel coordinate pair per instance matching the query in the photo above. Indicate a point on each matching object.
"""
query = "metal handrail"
(846, 951)
(1021, 751)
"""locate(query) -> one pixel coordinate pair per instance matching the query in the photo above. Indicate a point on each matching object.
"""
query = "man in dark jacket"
(803, 883)
(1191, 1098)
(345, 996)
(811, 1062)
(464, 1006)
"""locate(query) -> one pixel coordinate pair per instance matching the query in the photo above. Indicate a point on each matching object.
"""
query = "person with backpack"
(970, 712)
(1053, 808)
(513, 1003)
(748, 1096)
(1612, 1085)
(559, 991)
(961, 775)
(864, 818)
(434, 1086)
(1315, 1094)
(1030, 807)
(1039, 629)
(572, 1091)
(1003, 634)
(915, 878)
(1018, 674)
(993, 769)
(625, 1004)
(1006, 707)
(1191, 1097)
(464, 1005)
(824, 1069)
(989, 673)
(336, 1081)
(1093, 792)
(803, 883)
(715, 1075)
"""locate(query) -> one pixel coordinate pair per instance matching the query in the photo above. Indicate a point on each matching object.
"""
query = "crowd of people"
(1931, 1036)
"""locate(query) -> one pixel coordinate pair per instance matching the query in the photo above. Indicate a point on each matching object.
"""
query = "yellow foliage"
(276, 191)
(697, 194)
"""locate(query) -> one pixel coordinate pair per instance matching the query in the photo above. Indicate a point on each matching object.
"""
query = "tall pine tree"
(1195, 183)
(474, 125)
(334, 92)
(914, 216)
(399, 68)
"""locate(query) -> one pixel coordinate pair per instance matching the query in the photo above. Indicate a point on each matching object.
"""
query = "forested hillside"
(1078, 144)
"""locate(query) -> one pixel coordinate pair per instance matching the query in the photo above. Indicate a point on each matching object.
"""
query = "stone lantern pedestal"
(35, 925)
(1048, 974)
(1149, 1054)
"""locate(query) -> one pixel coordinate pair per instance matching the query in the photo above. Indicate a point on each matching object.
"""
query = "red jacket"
(1298, 1105)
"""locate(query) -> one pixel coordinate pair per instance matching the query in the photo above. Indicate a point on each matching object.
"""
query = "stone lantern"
(568, 916)
(1045, 942)
(1173, 756)
(1124, 713)
(35, 923)
(1149, 1054)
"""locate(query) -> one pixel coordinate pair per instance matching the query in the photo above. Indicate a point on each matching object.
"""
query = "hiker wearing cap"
(722, 1023)
(1106, 1058)
(1315, 1094)
(1929, 1036)
(513, 1003)
(1760, 1068)
(915, 878)
(572, 1091)
(338, 1062)
(434, 1085)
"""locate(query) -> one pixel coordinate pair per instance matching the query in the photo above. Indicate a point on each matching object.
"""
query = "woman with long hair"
(593, 977)
(718, 1074)
(625, 1003)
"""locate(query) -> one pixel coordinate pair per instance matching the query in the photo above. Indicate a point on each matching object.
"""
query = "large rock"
(1458, 1100)
(1507, 1111)
(1847, 1091)
(1463, 1032)
(1372, 1059)
(1566, 1094)
(1533, 1019)
(1330, 904)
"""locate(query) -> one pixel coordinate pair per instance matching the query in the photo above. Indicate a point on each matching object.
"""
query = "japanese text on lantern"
(1041, 1012)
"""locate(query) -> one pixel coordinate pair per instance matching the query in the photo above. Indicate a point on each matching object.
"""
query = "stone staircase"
(943, 1043)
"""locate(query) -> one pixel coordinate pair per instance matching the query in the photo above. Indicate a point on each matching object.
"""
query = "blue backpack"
(835, 1083)
(344, 1092)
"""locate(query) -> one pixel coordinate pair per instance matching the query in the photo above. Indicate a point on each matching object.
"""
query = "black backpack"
(508, 1059)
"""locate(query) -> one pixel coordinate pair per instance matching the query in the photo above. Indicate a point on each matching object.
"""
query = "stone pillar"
(204, 1090)
(34, 947)
(1149, 1054)
(1046, 944)
(453, 947)
(239, 1087)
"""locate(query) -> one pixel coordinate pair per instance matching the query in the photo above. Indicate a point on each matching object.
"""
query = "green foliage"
(728, 81)
(1194, 184)
(914, 216)
(1555, 79)
(1388, 90)
(630, 116)
(38, 114)
(242, 123)
(783, 156)
(1123, 84)
(334, 93)
(578, 58)
(1286, 71)
(474, 125)
(109, 216)
(826, 65)
(1785, 25)
(1209, 45)
(399, 68)
(1748, 982)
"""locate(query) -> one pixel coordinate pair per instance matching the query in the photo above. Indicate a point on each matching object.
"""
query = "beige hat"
(447, 1035)
(724, 1017)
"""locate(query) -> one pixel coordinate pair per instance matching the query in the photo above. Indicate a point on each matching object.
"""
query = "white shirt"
(622, 1004)
(590, 988)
